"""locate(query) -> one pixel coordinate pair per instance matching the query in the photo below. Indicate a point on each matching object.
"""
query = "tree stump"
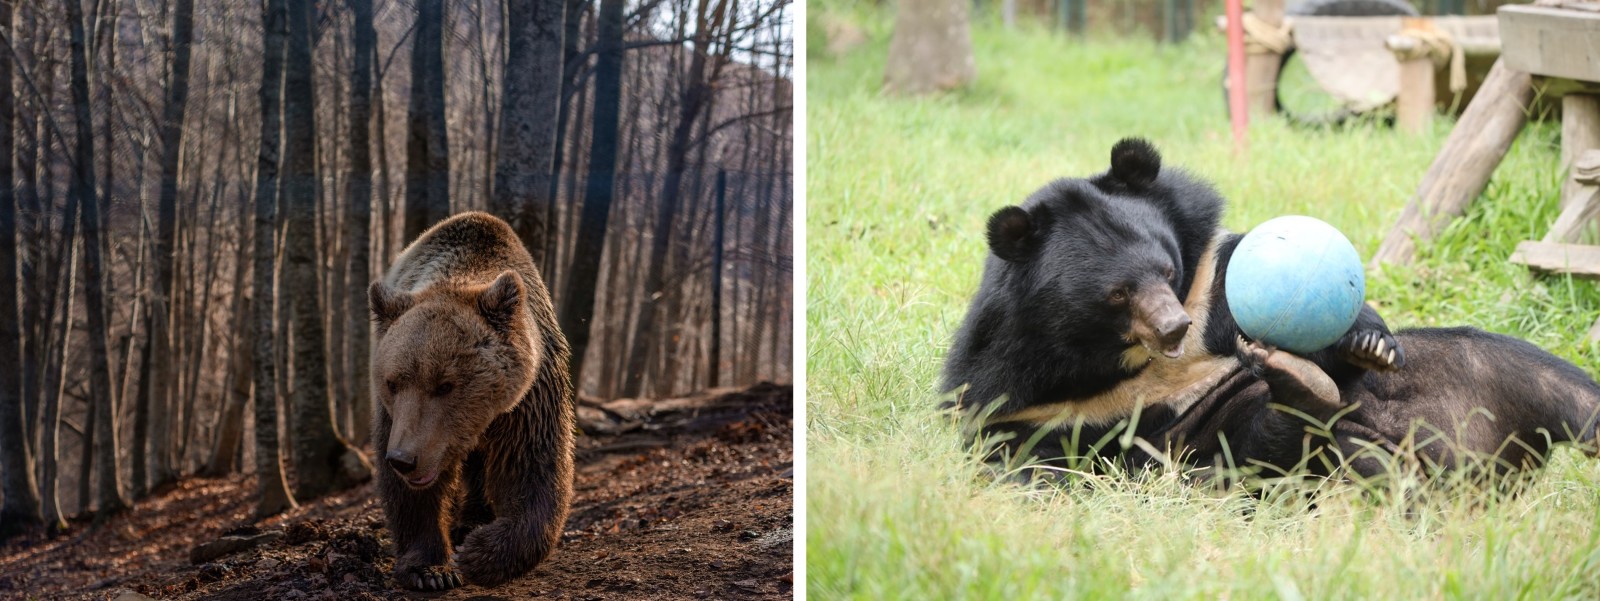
(931, 50)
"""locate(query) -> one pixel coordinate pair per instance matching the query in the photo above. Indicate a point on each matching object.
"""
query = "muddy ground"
(686, 498)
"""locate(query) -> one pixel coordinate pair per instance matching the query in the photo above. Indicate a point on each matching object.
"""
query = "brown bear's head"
(449, 359)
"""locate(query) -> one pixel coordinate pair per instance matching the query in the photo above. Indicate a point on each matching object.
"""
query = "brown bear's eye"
(393, 388)
(443, 389)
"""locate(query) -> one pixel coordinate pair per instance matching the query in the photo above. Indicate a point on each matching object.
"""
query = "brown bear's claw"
(430, 578)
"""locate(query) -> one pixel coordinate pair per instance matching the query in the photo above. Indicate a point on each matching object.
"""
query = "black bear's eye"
(393, 388)
(1170, 274)
(1118, 296)
(443, 389)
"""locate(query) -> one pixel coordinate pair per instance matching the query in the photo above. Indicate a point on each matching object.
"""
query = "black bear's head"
(1092, 271)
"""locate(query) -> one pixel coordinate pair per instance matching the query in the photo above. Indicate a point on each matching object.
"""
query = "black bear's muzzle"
(1159, 321)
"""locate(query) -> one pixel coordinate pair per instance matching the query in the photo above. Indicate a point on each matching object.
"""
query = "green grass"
(898, 191)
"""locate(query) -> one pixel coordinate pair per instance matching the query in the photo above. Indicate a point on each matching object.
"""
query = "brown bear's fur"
(471, 372)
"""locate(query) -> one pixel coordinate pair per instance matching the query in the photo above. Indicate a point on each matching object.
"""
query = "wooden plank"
(1557, 87)
(1580, 131)
(1576, 259)
(1576, 218)
(1551, 41)
(1462, 169)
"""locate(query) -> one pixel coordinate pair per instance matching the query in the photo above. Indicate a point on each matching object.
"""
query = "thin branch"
(43, 102)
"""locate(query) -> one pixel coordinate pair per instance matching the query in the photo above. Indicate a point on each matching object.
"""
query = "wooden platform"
(1560, 44)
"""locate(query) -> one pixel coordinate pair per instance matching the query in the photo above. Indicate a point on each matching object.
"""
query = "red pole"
(1238, 112)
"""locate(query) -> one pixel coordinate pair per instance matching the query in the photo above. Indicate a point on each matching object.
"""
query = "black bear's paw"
(427, 578)
(1371, 349)
(1253, 355)
(1294, 380)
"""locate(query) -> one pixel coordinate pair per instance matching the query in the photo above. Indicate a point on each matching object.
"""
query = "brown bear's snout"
(403, 462)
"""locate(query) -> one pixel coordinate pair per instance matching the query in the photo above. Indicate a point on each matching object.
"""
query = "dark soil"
(686, 498)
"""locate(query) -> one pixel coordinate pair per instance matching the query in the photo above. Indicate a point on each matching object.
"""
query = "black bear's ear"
(1135, 162)
(1014, 235)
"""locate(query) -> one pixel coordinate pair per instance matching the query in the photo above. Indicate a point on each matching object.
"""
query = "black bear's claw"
(1372, 349)
(431, 578)
(1252, 354)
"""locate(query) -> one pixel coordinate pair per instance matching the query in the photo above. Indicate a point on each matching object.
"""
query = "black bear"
(1077, 331)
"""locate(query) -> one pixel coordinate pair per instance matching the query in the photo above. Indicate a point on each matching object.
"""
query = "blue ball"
(1295, 283)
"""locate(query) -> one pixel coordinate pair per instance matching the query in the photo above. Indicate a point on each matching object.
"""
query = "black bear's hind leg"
(1294, 381)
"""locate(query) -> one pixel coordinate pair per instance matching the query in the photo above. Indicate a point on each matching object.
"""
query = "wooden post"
(1462, 169)
(1177, 20)
(1070, 15)
(1580, 131)
(1415, 104)
(1238, 100)
(1261, 69)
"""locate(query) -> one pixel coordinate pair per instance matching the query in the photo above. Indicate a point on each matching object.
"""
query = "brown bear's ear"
(386, 303)
(1135, 162)
(500, 302)
(1014, 234)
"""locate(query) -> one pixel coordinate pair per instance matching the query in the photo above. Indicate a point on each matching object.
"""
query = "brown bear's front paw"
(428, 578)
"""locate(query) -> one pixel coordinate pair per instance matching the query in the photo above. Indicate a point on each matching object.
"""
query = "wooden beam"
(1576, 218)
(1556, 87)
(1462, 168)
(1580, 131)
(1551, 41)
(1575, 259)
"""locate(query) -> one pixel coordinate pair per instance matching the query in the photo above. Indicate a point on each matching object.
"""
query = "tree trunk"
(714, 355)
(30, 245)
(324, 463)
(269, 457)
(578, 309)
(696, 95)
(530, 111)
(427, 148)
(931, 50)
(55, 369)
(358, 223)
(109, 478)
(224, 454)
(21, 507)
(571, 62)
(161, 345)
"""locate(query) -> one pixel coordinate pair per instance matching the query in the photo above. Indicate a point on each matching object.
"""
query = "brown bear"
(475, 420)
